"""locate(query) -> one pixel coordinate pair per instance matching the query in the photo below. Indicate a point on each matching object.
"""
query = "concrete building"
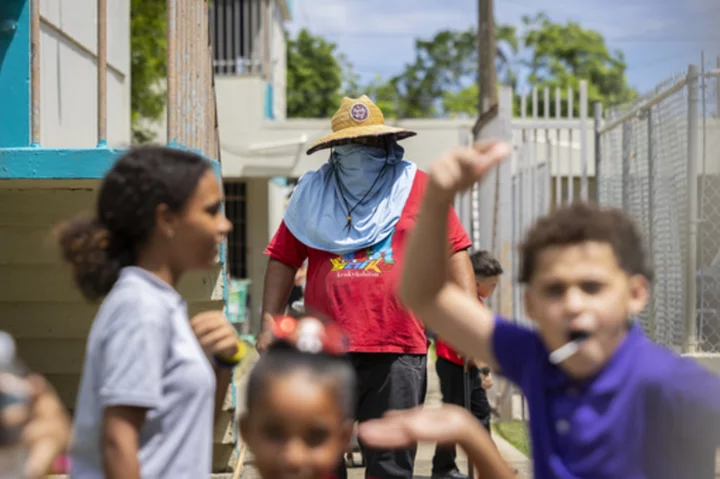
(63, 121)
(41, 186)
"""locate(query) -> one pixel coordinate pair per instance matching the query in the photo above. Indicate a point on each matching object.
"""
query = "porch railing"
(191, 104)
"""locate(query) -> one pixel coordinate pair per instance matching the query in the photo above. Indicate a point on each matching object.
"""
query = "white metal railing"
(191, 105)
(101, 71)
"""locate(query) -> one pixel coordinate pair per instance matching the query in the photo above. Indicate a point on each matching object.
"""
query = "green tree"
(317, 77)
(148, 47)
(563, 54)
(461, 103)
(447, 63)
(384, 94)
(557, 55)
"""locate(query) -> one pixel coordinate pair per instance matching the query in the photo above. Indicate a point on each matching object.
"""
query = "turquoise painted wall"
(15, 85)
(290, 7)
(49, 164)
(269, 101)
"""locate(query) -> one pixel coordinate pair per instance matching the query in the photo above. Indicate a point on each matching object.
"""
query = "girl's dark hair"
(281, 359)
(143, 178)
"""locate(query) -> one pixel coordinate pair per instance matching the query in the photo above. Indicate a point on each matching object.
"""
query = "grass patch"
(431, 352)
(516, 433)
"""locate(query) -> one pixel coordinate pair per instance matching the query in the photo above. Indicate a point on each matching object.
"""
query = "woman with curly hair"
(148, 392)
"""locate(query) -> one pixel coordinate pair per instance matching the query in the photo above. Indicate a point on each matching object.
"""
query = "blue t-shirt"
(142, 353)
(648, 414)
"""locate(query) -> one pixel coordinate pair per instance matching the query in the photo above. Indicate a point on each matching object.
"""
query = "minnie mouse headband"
(310, 335)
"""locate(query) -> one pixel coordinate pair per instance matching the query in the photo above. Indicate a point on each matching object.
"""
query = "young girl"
(300, 398)
(300, 401)
(148, 392)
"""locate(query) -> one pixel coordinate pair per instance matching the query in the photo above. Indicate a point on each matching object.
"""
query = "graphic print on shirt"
(372, 261)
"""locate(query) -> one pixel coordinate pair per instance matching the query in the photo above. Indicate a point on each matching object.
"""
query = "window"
(234, 29)
(236, 211)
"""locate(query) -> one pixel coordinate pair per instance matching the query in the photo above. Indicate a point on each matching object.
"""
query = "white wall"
(278, 60)
(257, 191)
(250, 145)
(277, 203)
(39, 303)
(68, 72)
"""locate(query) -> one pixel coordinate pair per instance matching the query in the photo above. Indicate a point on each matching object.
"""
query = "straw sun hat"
(358, 118)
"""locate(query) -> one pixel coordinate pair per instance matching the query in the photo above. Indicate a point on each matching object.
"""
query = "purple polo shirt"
(648, 414)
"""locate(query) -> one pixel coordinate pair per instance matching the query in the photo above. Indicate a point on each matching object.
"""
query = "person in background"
(351, 219)
(153, 378)
(297, 294)
(450, 367)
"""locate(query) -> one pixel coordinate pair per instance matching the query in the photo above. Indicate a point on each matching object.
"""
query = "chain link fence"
(645, 155)
(658, 162)
(708, 261)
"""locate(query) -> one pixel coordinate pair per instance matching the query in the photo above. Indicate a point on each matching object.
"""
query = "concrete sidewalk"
(423, 459)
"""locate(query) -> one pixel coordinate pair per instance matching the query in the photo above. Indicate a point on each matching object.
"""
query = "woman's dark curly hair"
(143, 178)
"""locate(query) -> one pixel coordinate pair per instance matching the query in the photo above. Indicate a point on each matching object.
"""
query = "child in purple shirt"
(604, 401)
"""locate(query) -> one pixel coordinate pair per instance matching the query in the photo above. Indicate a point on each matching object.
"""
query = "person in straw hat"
(351, 219)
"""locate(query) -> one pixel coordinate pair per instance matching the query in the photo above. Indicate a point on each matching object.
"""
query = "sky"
(658, 37)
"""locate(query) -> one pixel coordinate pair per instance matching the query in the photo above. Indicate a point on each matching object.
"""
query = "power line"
(614, 39)
(303, 12)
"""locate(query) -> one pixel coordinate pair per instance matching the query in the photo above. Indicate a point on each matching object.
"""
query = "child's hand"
(215, 334)
(47, 433)
(266, 337)
(487, 380)
(398, 429)
(461, 168)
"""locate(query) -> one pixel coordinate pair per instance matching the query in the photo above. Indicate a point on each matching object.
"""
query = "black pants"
(453, 392)
(387, 381)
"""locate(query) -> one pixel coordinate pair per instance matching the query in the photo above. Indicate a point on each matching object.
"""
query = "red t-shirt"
(358, 290)
(447, 352)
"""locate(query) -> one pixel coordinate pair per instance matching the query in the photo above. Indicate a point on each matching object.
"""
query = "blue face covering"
(372, 182)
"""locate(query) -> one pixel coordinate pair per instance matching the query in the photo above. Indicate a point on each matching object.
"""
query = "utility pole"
(487, 48)
(487, 111)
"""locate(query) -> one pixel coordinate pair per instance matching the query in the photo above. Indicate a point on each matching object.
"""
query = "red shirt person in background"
(351, 220)
(450, 367)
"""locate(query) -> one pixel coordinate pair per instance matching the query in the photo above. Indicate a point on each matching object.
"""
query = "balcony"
(248, 37)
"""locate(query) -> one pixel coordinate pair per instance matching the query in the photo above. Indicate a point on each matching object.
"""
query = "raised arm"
(448, 424)
(426, 286)
(461, 272)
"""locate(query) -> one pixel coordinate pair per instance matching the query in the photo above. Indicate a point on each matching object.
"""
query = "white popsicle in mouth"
(564, 352)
